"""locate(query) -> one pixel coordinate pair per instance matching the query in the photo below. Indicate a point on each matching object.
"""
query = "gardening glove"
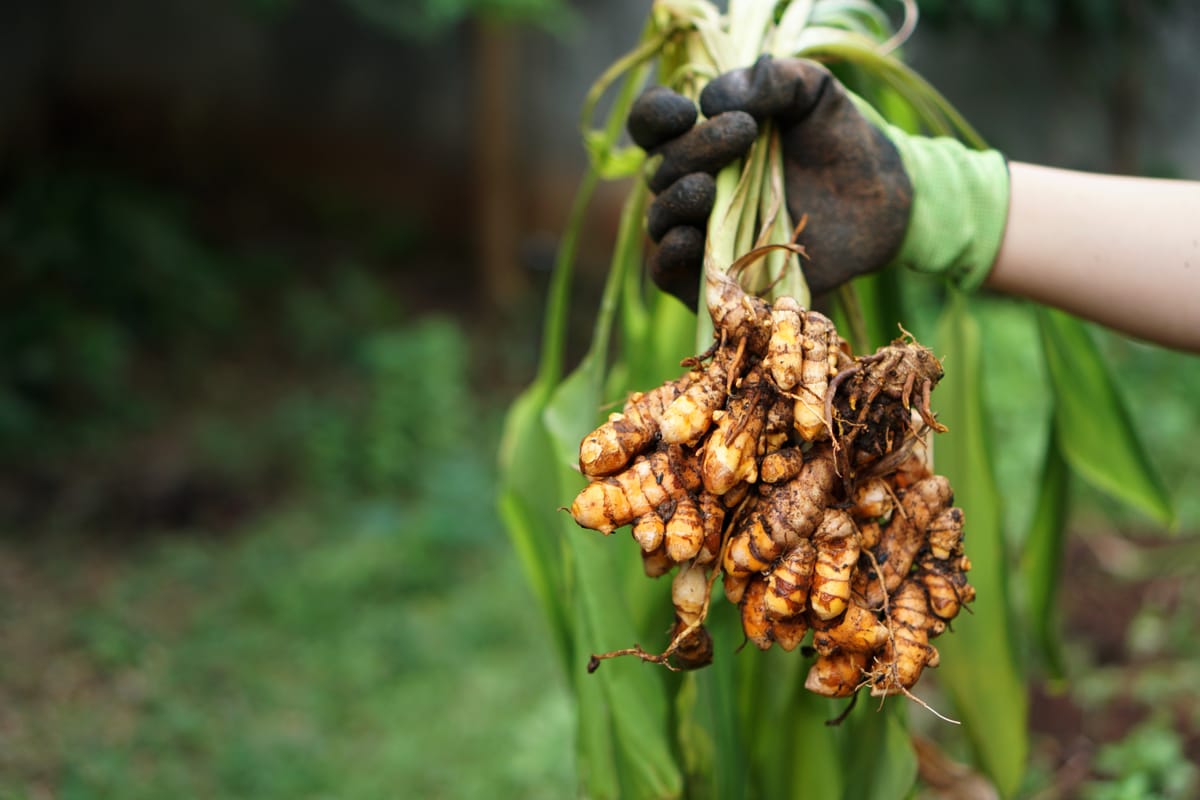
(663, 123)
(873, 194)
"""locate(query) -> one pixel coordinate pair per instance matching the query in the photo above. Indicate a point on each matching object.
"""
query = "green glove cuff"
(959, 210)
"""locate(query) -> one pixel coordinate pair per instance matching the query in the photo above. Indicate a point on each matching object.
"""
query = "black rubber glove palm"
(840, 170)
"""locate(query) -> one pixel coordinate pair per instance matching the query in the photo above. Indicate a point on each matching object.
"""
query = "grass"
(334, 654)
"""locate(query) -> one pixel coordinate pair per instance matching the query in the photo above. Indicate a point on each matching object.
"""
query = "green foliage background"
(339, 641)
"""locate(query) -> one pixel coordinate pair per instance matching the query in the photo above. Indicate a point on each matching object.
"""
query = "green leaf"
(527, 479)
(810, 756)
(574, 411)
(600, 143)
(1098, 438)
(599, 775)
(895, 109)
(623, 738)
(978, 658)
(731, 767)
(877, 753)
(1042, 557)
(656, 331)
(862, 16)
(926, 102)
(632, 702)
(576, 405)
(635, 705)
(635, 698)
(748, 21)
(710, 733)
(612, 162)
(528, 475)
(784, 726)
(697, 747)
(554, 325)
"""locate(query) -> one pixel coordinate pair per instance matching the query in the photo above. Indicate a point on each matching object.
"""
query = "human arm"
(1120, 251)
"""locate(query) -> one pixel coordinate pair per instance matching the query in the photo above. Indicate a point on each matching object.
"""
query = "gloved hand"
(662, 122)
(873, 194)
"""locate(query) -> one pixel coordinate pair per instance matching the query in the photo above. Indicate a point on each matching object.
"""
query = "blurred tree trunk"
(496, 187)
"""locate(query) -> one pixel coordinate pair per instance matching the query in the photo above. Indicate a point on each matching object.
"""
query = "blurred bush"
(195, 367)
(101, 275)
(406, 411)
(1149, 763)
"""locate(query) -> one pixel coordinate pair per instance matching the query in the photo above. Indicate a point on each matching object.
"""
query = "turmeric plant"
(781, 459)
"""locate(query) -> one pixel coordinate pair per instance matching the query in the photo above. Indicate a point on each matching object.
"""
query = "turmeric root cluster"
(796, 474)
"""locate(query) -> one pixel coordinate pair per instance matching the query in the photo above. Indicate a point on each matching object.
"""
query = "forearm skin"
(1120, 251)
